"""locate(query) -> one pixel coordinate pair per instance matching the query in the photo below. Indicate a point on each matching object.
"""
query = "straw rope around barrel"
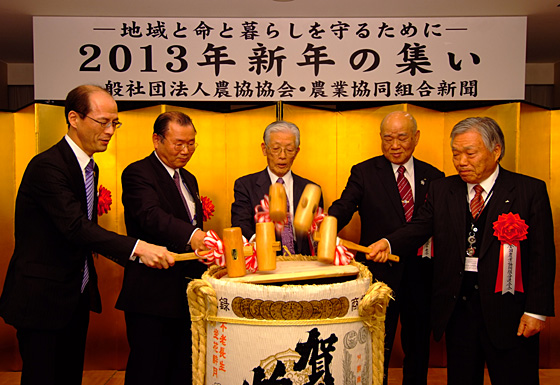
(372, 309)
(204, 306)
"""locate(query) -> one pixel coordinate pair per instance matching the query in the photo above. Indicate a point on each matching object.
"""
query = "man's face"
(178, 146)
(88, 134)
(472, 160)
(280, 152)
(397, 139)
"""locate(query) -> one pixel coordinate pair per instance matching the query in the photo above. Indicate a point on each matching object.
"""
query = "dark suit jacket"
(372, 190)
(445, 217)
(53, 236)
(248, 192)
(154, 212)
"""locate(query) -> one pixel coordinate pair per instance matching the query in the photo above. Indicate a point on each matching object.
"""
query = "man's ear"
(73, 117)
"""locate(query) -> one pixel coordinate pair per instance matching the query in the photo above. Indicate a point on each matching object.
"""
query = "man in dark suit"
(493, 282)
(280, 146)
(51, 284)
(373, 190)
(162, 204)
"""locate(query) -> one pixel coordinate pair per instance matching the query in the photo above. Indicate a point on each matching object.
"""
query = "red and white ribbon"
(217, 255)
(342, 256)
(262, 214)
(216, 247)
(251, 260)
(319, 216)
(427, 249)
(509, 270)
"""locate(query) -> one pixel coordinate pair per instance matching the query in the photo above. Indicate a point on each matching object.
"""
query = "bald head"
(399, 136)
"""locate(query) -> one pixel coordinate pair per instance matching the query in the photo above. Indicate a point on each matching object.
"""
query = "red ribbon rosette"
(510, 230)
(342, 256)
(104, 201)
(207, 208)
(262, 214)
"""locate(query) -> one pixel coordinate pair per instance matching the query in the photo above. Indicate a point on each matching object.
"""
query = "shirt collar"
(486, 184)
(288, 178)
(409, 165)
(81, 156)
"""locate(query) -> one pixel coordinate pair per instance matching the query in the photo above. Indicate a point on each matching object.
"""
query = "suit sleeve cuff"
(389, 243)
(537, 316)
(132, 256)
(194, 231)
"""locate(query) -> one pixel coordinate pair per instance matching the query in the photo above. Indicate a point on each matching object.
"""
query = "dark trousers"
(412, 304)
(55, 357)
(160, 350)
(469, 348)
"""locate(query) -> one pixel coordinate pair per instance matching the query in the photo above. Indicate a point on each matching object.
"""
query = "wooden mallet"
(277, 204)
(234, 252)
(267, 246)
(327, 238)
(306, 209)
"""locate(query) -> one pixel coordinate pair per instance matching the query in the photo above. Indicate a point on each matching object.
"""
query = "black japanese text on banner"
(269, 59)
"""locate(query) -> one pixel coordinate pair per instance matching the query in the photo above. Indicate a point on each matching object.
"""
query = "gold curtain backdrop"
(331, 143)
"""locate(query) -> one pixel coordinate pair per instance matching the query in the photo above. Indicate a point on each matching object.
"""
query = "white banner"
(269, 59)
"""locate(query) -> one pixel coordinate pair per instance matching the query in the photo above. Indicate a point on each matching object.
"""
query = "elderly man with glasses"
(162, 203)
(280, 146)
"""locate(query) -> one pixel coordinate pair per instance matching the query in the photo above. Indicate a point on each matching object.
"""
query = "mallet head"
(306, 209)
(278, 205)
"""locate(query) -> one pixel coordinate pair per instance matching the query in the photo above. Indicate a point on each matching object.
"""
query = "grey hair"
(281, 126)
(488, 129)
(405, 114)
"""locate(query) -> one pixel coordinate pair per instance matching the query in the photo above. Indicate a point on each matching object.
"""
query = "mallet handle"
(363, 249)
(189, 256)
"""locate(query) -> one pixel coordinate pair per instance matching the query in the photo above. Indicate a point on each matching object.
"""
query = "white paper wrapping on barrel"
(321, 350)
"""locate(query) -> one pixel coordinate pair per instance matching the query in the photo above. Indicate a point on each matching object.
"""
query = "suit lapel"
(193, 190)
(420, 185)
(166, 183)
(389, 185)
(263, 185)
(457, 211)
(500, 202)
(76, 175)
(95, 194)
(299, 186)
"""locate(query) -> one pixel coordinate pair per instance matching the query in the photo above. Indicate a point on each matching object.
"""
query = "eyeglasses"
(116, 124)
(289, 151)
(181, 146)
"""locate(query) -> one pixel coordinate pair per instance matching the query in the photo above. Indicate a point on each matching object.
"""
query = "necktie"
(177, 180)
(89, 199)
(287, 232)
(477, 203)
(405, 192)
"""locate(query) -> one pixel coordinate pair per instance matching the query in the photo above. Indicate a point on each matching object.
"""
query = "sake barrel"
(250, 329)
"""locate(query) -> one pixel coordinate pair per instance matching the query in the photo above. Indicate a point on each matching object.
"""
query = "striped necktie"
(477, 203)
(90, 191)
(405, 192)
